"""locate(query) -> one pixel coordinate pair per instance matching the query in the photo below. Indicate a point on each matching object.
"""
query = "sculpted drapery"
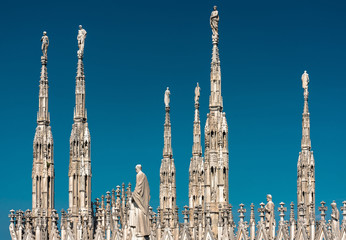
(139, 213)
(270, 218)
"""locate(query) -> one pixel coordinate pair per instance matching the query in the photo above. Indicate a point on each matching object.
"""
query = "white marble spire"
(306, 161)
(80, 111)
(80, 142)
(196, 169)
(215, 100)
(167, 169)
(216, 164)
(43, 175)
(306, 141)
(43, 114)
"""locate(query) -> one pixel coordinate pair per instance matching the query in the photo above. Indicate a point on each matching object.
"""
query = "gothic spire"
(197, 148)
(306, 141)
(167, 169)
(43, 114)
(167, 148)
(80, 145)
(306, 161)
(215, 101)
(43, 157)
(80, 111)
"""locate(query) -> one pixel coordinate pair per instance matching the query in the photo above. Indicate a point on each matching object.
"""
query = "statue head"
(215, 8)
(80, 27)
(138, 168)
(44, 33)
(333, 204)
(269, 197)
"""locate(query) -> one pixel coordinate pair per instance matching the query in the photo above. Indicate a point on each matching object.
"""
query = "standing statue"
(45, 44)
(335, 221)
(167, 93)
(139, 209)
(214, 21)
(270, 217)
(81, 39)
(197, 93)
(305, 80)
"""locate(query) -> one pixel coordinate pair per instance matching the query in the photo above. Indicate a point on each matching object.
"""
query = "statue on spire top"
(305, 80)
(81, 39)
(197, 93)
(45, 44)
(167, 93)
(214, 21)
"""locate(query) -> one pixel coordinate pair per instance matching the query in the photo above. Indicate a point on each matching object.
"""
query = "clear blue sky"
(134, 50)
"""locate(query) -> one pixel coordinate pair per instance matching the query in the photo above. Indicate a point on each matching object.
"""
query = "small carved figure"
(45, 44)
(81, 39)
(305, 80)
(197, 93)
(335, 221)
(270, 217)
(167, 99)
(214, 21)
(139, 208)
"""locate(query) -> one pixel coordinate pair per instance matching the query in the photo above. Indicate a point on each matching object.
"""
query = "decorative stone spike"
(261, 210)
(241, 212)
(282, 209)
(323, 210)
(185, 212)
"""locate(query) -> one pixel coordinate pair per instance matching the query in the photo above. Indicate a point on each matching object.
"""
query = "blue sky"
(134, 50)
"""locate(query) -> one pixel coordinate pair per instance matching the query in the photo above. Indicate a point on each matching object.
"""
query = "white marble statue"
(197, 93)
(305, 80)
(270, 217)
(139, 209)
(45, 44)
(167, 100)
(214, 21)
(81, 39)
(335, 221)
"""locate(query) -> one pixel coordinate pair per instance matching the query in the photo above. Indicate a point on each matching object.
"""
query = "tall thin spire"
(306, 161)
(80, 111)
(215, 100)
(306, 141)
(167, 169)
(43, 162)
(197, 147)
(80, 142)
(43, 114)
(167, 148)
(216, 164)
(196, 169)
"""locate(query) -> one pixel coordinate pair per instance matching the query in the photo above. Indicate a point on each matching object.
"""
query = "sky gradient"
(134, 50)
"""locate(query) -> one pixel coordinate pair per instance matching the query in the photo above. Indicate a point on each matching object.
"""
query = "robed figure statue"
(167, 98)
(214, 21)
(139, 210)
(270, 217)
(335, 221)
(81, 40)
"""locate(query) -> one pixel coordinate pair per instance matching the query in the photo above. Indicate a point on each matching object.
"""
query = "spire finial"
(45, 44)
(305, 83)
(167, 98)
(197, 94)
(214, 24)
(81, 40)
